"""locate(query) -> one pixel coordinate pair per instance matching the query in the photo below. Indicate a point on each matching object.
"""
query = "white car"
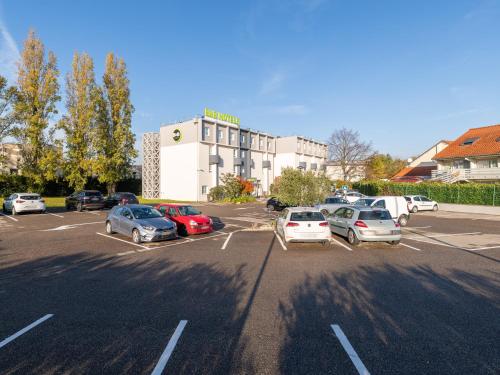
(353, 196)
(397, 206)
(24, 202)
(421, 203)
(303, 224)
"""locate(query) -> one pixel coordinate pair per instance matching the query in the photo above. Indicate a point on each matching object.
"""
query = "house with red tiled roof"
(420, 168)
(474, 156)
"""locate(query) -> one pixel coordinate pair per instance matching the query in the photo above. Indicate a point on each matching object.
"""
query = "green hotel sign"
(221, 116)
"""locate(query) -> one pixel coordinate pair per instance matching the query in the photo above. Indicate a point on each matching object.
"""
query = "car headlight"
(148, 227)
(193, 223)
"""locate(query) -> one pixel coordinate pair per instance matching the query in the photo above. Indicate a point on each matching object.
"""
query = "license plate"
(204, 227)
(94, 199)
(383, 232)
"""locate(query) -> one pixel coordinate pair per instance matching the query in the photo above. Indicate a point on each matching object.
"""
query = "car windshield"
(307, 216)
(93, 194)
(30, 197)
(364, 202)
(375, 215)
(188, 210)
(145, 213)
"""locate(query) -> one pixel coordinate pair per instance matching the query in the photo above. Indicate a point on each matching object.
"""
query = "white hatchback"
(24, 202)
(303, 224)
(420, 203)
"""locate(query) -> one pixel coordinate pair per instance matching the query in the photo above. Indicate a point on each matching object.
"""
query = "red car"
(188, 219)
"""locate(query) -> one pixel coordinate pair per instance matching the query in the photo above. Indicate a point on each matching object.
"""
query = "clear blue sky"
(403, 73)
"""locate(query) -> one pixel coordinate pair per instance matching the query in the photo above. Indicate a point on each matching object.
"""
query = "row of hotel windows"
(232, 138)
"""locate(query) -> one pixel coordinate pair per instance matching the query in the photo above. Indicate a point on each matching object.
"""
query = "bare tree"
(347, 149)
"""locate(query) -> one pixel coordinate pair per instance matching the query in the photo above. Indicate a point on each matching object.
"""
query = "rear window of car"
(334, 200)
(307, 216)
(93, 194)
(408, 199)
(375, 215)
(364, 202)
(30, 197)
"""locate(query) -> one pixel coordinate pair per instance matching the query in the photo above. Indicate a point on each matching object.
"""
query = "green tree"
(7, 97)
(35, 103)
(79, 122)
(382, 166)
(233, 188)
(301, 188)
(114, 140)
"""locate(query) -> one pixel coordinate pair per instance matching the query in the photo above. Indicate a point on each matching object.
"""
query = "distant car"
(331, 204)
(397, 206)
(273, 204)
(365, 224)
(143, 223)
(120, 198)
(85, 200)
(24, 202)
(303, 224)
(189, 220)
(353, 196)
(421, 203)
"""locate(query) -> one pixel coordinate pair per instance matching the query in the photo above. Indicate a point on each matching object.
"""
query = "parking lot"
(76, 300)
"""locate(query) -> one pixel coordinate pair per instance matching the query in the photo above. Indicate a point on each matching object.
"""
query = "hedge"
(470, 193)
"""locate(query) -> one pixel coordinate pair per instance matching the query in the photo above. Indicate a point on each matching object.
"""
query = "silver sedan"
(365, 224)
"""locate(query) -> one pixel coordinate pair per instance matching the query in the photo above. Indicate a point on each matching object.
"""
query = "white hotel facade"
(186, 159)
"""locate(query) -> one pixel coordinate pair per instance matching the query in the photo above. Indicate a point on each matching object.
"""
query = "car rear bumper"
(308, 237)
(31, 209)
(379, 238)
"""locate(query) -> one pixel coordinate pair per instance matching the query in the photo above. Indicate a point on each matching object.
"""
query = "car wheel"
(79, 207)
(435, 208)
(325, 243)
(136, 236)
(109, 228)
(270, 207)
(13, 211)
(43, 211)
(4, 209)
(352, 238)
(403, 220)
(414, 209)
(394, 243)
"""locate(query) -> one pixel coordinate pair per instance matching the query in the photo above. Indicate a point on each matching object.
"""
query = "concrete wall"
(178, 176)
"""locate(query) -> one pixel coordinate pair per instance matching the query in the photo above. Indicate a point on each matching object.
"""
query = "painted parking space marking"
(226, 241)
(280, 240)
(430, 236)
(165, 356)
(119, 239)
(8, 217)
(25, 329)
(350, 350)
(410, 247)
(69, 226)
(56, 215)
(340, 243)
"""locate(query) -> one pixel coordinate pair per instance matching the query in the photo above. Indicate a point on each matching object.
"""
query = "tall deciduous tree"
(79, 122)
(114, 141)
(36, 98)
(347, 149)
(383, 166)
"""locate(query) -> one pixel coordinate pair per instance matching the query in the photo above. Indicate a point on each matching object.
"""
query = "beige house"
(10, 158)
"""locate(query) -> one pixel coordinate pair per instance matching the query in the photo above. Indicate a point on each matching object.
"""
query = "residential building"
(474, 156)
(421, 167)
(186, 159)
(333, 171)
(10, 158)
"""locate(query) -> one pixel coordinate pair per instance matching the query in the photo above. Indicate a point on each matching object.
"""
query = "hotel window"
(252, 141)
(242, 154)
(235, 153)
(235, 170)
(261, 144)
(242, 170)
(233, 137)
(204, 189)
(242, 138)
(220, 135)
(268, 145)
(206, 132)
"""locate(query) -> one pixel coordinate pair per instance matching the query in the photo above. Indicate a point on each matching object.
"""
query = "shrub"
(216, 193)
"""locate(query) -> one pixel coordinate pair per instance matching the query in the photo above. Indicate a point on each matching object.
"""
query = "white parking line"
(350, 350)
(430, 236)
(8, 217)
(50, 213)
(69, 226)
(340, 243)
(426, 227)
(160, 366)
(411, 247)
(226, 241)
(119, 239)
(280, 240)
(25, 329)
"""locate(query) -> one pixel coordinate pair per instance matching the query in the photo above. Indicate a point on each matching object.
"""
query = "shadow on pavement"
(400, 321)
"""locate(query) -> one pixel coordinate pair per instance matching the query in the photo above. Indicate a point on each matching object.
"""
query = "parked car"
(331, 204)
(273, 204)
(420, 203)
(353, 196)
(120, 198)
(23, 202)
(358, 223)
(397, 206)
(189, 220)
(85, 200)
(143, 223)
(303, 224)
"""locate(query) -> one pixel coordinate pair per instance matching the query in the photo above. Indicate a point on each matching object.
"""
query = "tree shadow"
(116, 315)
(399, 320)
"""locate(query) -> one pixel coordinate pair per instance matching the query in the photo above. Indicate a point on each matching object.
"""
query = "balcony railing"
(474, 174)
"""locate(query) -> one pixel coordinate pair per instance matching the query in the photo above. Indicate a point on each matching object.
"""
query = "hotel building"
(186, 159)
